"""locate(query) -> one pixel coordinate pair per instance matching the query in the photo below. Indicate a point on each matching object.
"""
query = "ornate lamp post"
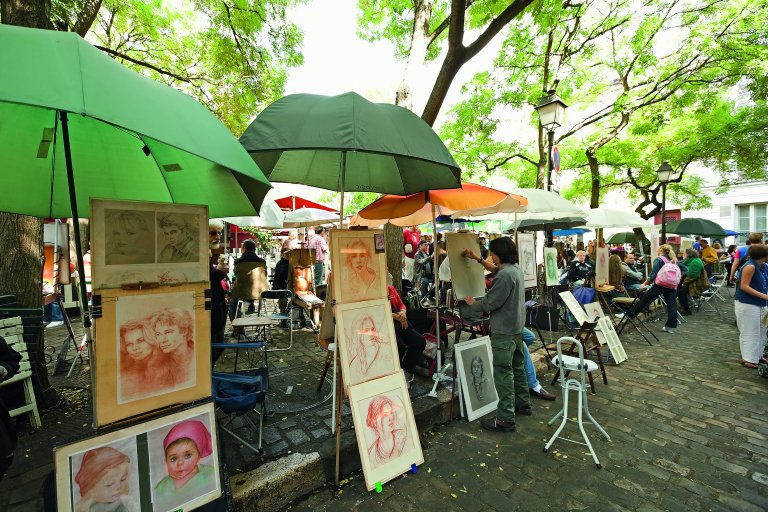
(665, 174)
(550, 110)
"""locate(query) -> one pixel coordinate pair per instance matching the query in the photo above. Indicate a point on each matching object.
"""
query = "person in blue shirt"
(752, 305)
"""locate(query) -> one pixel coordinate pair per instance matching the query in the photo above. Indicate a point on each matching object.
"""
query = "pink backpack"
(668, 275)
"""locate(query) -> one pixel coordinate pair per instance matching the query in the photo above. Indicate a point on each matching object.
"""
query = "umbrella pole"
(76, 222)
(437, 289)
(341, 187)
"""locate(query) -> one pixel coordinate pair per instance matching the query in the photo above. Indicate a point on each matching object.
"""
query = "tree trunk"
(594, 171)
(26, 13)
(417, 53)
(393, 238)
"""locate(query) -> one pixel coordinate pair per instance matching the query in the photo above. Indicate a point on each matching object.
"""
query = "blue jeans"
(670, 297)
(530, 371)
(319, 267)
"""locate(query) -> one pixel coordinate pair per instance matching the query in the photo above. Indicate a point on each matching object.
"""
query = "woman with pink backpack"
(664, 277)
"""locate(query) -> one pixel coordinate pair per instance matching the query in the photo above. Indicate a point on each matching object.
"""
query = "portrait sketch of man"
(178, 239)
(129, 237)
(369, 350)
(156, 345)
(386, 428)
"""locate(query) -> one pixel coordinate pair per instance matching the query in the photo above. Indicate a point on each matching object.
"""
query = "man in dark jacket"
(579, 268)
(9, 365)
(250, 277)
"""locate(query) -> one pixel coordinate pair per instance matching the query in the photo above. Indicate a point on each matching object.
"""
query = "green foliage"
(262, 238)
(353, 201)
(232, 56)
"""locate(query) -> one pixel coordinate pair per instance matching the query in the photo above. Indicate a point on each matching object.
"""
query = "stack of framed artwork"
(378, 393)
(151, 351)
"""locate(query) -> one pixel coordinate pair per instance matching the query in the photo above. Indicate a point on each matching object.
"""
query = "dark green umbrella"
(349, 144)
(76, 124)
(695, 226)
(625, 237)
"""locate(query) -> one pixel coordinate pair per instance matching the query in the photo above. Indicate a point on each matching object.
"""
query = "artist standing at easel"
(505, 301)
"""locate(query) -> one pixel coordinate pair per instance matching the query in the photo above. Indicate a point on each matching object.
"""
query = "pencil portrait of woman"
(386, 430)
(360, 279)
(369, 353)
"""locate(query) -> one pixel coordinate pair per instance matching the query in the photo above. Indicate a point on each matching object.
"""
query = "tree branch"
(146, 65)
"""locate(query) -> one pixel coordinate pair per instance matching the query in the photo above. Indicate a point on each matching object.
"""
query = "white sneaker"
(409, 377)
(55, 323)
(670, 330)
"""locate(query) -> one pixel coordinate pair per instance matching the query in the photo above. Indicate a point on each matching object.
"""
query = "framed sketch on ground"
(359, 271)
(467, 276)
(574, 306)
(169, 463)
(385, 428)
(601, 266)
(612, 339)
(134, 242)
(550, 266)
(526, 252)
(151, 350)
(475, 366)
(366, 335)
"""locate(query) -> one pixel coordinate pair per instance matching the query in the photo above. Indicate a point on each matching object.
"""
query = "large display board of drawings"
(467, 276)
(167, 464)
(136, 242)
(151, 350)
(526, 250)
(359, 265)
(386, 432)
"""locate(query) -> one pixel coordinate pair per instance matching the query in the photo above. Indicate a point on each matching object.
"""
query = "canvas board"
(526, 249)
(365, 332)
(126, 466)
(612, 339)
(151, 350)
(475, 367)
(359, 271)
(381, 411)
(550, 266)
(134, 241)
(574, 307)
(594, 313)
(467, 276)
(601, 265)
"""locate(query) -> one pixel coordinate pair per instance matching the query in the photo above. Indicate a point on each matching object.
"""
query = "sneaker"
(497, 425)
(55, 323)
(670, 330)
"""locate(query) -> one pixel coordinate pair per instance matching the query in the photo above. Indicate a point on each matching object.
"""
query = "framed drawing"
(526, 248)
(130, 469)
(151, 350)
(574, 307)
(550, 266)
(468, 276)
(475, 366)
(366, 335)
(359, 271)
(601, 265)
(135, 242)
(612, 339)
(385, 428)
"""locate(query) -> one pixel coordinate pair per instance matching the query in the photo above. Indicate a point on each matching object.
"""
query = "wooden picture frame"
(606, 331)
(380, 408)
(467, 276)
(474, 362)
(138, 368)
(365, 333)
(135, 241)
(129, 465)
(359, 272)
(526, 251)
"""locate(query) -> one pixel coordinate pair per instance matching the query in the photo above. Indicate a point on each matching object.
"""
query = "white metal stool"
(566, 363)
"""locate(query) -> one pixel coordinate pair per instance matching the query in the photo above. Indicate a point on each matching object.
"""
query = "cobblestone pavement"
(688, 427)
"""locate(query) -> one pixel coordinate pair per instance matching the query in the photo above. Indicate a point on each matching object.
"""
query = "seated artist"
(633, 275)
(410, 343)
(579, 269)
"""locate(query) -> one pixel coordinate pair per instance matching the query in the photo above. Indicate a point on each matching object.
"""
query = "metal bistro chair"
(566, 364)
(277, 305)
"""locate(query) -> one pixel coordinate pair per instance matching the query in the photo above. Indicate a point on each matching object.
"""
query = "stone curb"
(275, 484)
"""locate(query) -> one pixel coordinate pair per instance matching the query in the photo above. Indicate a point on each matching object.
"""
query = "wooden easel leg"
(339, 400)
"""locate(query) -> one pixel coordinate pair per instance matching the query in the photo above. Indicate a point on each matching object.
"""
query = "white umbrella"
(270, 215)
(604, 217)
(551, 204)
(305, 217)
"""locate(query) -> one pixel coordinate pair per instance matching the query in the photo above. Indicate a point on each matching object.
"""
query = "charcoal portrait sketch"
(475, 368)
(178, 240)
(156, 353)
(385, 428)
(368, 346)
(128, 237)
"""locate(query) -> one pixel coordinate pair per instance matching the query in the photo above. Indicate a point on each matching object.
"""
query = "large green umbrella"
(349, 144)
(695, 226)
(76, 124)
(625, 237)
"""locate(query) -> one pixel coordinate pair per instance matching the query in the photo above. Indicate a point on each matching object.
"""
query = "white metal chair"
(565, 364)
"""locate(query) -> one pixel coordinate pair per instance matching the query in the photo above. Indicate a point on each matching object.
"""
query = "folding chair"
(277, 305)
(703, 301)
(239, 393)
(718, 284)
(625, 304)
(566, 364)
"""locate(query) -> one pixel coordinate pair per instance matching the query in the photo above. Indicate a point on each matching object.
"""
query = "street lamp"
(665, 175)
(550, 110)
